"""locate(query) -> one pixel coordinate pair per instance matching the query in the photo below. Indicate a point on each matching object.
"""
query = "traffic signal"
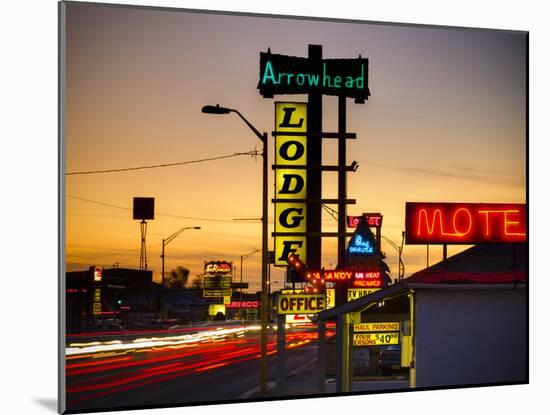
(118, 303)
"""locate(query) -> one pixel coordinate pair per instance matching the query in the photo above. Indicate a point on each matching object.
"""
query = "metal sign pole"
(322, 356)
(314, 158)
(264, 295)
(342, 353)
(281, 353)
(341, 289)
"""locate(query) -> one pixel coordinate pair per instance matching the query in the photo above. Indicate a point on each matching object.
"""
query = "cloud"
(461, 172)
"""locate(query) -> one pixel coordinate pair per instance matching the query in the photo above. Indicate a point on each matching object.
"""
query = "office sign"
(290, 180)
(283, 74)
(300, 303)
(375, 339)
(376, 327)
(465, 223)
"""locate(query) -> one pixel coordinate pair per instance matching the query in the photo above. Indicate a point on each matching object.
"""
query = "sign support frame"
(321, 356)
(343, 328)
(314, 158)
(281, 353)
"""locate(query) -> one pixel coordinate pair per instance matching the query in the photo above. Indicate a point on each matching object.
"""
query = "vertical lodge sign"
(290, 180)
(299, 135)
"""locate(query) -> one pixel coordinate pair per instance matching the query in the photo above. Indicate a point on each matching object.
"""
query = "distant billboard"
(218, 267)
(465, 223)
(217, 286)
(144, 208)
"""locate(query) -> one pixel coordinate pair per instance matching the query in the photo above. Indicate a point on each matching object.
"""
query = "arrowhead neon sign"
(282, 74)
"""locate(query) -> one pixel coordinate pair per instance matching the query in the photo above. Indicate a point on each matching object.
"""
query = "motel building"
(462, 321)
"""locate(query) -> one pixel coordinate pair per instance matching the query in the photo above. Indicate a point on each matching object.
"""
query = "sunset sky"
(445, 122)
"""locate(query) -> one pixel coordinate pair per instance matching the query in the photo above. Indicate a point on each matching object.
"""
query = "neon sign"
(98, 273)
(465, 223)
(362, 279)
(323, 80)
(359, 245)
(338, 275)
(218, 267)
(290, 180)
(282, 74)
(243, 304)
(368, 279)
(372, 219)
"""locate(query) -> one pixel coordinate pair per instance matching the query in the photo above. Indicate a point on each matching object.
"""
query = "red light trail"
(90, 377)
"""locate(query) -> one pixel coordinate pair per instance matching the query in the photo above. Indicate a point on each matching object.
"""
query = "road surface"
(175, 368)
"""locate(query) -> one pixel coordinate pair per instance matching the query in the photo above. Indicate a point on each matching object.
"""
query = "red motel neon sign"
(465, 223)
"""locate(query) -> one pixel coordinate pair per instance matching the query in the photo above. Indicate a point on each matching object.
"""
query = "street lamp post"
(170, 239)
(211, 109)
(399, 249)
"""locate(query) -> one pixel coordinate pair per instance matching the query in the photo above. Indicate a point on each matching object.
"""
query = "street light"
(211, 109)
(399, 249)
(170, 239)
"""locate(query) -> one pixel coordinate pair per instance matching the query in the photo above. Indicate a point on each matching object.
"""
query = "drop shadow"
(48, 403)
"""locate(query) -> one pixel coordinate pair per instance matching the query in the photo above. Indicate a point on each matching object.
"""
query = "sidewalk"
(302, 381)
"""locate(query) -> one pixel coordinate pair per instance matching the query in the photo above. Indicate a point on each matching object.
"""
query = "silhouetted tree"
(196, 282)
(177, 278)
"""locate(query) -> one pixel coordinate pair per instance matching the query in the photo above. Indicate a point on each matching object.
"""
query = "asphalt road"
(219, 370)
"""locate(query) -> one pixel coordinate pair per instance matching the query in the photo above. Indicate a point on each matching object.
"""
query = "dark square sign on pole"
(144, 208)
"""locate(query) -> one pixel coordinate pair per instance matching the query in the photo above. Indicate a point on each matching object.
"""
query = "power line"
(155, 166)
(158, 214)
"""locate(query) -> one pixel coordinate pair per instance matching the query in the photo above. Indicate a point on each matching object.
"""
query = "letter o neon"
(457, 233)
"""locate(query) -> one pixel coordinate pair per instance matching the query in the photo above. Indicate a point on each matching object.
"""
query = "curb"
(271, 384)
(256, 389)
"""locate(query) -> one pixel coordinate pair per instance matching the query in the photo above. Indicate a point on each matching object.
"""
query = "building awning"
(479, 266)
(362, 302)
